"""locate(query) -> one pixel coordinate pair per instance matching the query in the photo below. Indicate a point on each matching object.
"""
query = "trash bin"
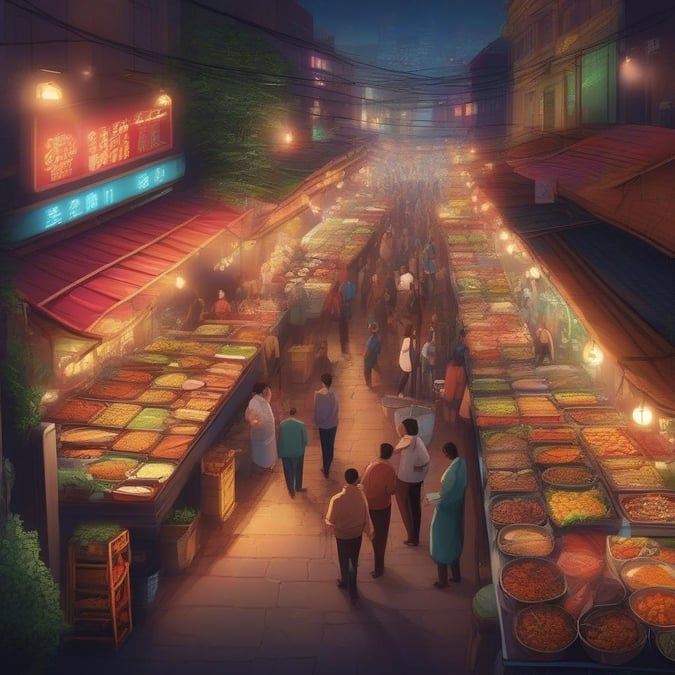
(402, 409)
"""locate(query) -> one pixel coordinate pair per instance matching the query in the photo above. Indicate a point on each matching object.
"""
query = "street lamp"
(48, 92)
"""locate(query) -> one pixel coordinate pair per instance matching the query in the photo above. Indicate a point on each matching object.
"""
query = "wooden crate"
(179, 545)
(218, 485)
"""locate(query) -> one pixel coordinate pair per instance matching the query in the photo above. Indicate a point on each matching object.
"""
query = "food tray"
(113, 469)
(595, 416)
(188, 347)
(636, 474)
(609, 442)
(155, 396)
(507, 460)
(173, 447)
(236, 352)
(158, 471)
(137, 442)
(210, 329)
(621, 550)
(523, 480)
(135, 490)
(530, 385)
(513, 509)
(117, 415)
(150, 419)
(89, 436)
(557, 455)
(651, 514)
(571, 509)
(575, 398)
(131, 375)
(560, 433)
(522, 540)
(114, 390)
(171, 380)
(508, 438)
(75, 411)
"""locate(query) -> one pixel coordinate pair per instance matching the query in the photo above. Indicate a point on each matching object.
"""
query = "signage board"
(92, 200)
(78, 142)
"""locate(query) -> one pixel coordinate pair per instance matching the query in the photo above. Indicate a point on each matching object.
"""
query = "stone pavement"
(261, 599)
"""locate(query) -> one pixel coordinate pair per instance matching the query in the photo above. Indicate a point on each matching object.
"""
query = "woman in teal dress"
(447, 525)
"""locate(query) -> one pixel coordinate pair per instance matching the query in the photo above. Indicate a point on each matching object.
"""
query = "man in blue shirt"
(291, 449)
(370, 354)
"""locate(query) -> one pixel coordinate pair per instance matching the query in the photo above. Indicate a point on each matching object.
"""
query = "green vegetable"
(182, 516)
(85, 535)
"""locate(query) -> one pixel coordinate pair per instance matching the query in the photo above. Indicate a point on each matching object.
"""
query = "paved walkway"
(261, 598)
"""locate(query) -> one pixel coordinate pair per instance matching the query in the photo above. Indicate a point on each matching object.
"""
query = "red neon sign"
(82, 141)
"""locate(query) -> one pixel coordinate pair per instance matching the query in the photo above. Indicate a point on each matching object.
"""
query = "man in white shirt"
(405, 279)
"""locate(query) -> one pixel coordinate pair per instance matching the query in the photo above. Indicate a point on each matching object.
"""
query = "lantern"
(643, 415)
(592, 354)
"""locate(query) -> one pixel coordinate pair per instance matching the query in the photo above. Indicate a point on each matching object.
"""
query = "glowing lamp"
(474, 198)
(643, 415)
(504, 235)
(511, 249)
(48, 91)
(163, 100)
(592, 354)
(535, 272)
(180, 282)
(485, 207)
(288, 138)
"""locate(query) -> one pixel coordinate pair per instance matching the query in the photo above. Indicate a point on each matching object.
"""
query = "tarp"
(621, 287)
(114, 267)
(624, 175)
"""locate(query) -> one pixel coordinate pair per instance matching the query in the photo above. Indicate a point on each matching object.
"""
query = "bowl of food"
(545, 631)
(646, 572)
(522, 540)
(532, 580)
(665, 643)
(611, 635)
(516, 509)
(654, 606)
(570, 477)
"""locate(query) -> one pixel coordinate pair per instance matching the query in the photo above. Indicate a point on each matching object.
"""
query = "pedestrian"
(260, 417)
(428, 364)
(370, 353)
(543, 345)
(326, 412)
(413, 467)
(446, 534)
(405, 359)
(379, 484)
(455, 383)
(348, 518)
(292, 444)
(297, 313)
(347, 293)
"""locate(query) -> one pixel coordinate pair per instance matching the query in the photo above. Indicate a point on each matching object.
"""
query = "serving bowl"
(611, 635)
(523, 540)
(654, 606)
(646, 572)
(545, 631)
(532, 580)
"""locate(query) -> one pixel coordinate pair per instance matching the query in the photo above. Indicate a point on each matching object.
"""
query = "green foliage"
(31, 620)
(182, 516)
(236, 102)
(95, 533)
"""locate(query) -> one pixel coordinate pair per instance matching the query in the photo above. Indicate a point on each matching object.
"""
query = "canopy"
(82, 280)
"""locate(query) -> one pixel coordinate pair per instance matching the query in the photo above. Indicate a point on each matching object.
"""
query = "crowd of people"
(363, 506)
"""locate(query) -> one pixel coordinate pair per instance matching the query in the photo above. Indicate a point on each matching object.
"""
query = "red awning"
(80, 281)
(623, 175)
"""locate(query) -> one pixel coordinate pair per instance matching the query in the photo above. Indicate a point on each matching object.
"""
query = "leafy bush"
(85, 535)
(182, 516)
(31, 619)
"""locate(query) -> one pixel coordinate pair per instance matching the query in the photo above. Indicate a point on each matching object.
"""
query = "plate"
(191, 385)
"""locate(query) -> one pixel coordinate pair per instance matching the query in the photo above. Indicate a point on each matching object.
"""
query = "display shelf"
(98, 603)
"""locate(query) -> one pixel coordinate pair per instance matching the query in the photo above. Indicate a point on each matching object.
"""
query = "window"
(317, 63)
(570, 99)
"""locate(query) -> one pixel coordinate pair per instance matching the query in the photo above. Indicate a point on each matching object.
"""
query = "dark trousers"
(348, 557)
(368, 370)
(403, 380)
(327, 439)
(343, 325)
(443, 572)
(293, 472)
(408, 497)
(381, 519)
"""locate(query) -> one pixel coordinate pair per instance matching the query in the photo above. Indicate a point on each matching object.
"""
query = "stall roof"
(622, 287)
(624, 174)
(79, 281)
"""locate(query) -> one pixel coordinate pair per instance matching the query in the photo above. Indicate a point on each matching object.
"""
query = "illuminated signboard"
(68, 209)
(79, 142)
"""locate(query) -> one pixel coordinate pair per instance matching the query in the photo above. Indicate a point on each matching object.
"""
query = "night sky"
(460, 28)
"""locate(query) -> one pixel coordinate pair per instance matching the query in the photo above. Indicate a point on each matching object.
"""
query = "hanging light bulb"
(592, 354)
(511, 249)
(504, 235)
(643, 415)
(180, 282)
(535, 272)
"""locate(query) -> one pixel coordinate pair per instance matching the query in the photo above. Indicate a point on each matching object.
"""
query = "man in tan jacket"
(348, 518)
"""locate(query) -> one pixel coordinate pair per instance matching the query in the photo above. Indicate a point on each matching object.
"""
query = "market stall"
(579, 502)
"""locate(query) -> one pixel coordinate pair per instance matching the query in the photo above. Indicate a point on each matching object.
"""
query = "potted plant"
(180, 538)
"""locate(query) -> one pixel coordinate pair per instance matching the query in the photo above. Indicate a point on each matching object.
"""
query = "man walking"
(326, 410)
(370, 354)
(291, 449)
(348, 518)
(379, 484)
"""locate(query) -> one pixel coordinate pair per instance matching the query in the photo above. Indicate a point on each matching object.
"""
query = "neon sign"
(89, 201)
(76, 143)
